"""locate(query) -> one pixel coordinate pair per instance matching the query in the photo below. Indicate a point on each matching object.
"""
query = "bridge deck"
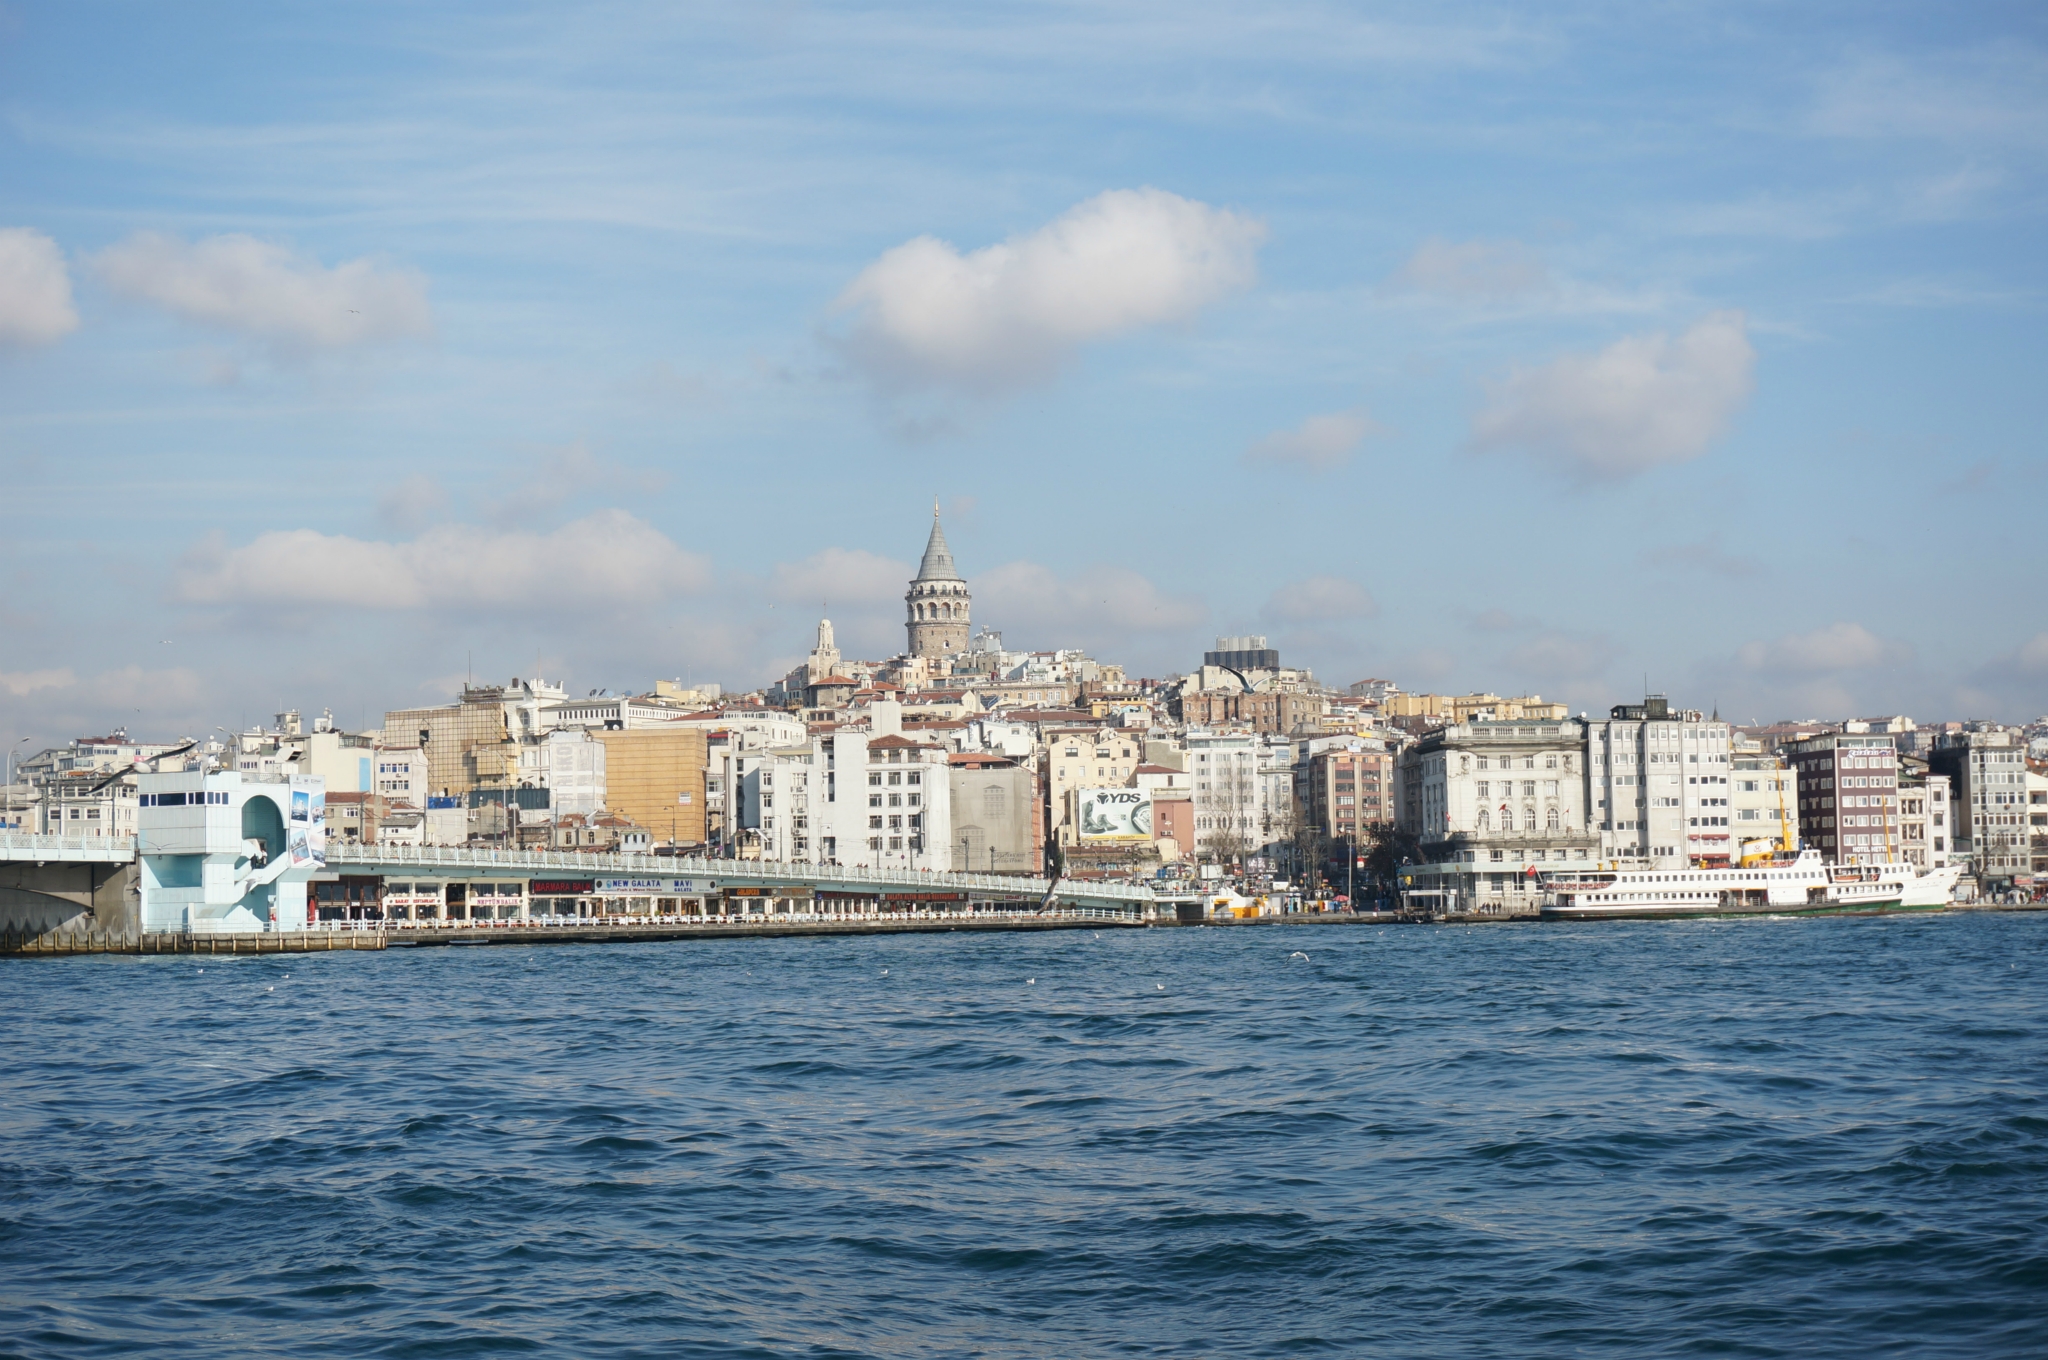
(16, 847)
(449, 861)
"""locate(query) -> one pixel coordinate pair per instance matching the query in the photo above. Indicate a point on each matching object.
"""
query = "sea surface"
(1750, 1138)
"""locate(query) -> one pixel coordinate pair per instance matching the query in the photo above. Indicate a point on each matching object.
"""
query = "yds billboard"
(1115, 814)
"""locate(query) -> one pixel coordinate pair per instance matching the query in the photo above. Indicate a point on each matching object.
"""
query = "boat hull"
(1649, 911)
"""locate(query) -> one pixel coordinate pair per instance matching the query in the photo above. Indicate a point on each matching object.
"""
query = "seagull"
(885, 972)
(1158, 986)
(1030, 982)
(1297, 954)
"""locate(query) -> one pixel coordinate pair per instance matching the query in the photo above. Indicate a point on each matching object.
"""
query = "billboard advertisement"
(1115, 814)
(654, 887)
(307, 830)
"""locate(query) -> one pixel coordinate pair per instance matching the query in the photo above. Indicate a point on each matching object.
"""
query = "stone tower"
(824, 658)
(936, 605)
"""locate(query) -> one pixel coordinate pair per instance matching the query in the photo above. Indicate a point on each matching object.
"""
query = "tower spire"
(938, 558)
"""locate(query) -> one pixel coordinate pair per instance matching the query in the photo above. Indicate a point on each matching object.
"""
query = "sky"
(347, 352)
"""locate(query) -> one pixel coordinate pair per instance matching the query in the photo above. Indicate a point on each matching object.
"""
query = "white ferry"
(1800, 886)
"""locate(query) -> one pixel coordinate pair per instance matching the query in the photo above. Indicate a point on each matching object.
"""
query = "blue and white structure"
(220, 852)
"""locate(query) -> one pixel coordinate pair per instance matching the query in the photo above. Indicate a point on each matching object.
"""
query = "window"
(874, 823)
(895, 777)
(874, 776)
(1553, 819)
(1482, 790)
(1528, 788)
(874, 800)
(916, 777)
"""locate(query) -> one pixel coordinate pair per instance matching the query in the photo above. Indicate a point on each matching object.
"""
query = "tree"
(1386, 849)
(1228, 843)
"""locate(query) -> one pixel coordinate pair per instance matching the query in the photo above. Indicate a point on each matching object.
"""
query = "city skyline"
(349, 355)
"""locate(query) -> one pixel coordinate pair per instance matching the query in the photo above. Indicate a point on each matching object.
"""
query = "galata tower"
(935, 608)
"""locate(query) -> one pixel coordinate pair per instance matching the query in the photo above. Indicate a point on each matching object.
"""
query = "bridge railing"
(16, 845)
(741, 870)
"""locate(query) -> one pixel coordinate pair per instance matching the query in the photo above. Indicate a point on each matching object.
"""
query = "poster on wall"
(308, 833)
(1116, 814)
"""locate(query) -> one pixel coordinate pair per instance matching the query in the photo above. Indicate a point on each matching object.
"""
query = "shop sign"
(560, 887)
(654, 887)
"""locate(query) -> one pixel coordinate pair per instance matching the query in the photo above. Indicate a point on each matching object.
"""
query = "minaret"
(935, 608)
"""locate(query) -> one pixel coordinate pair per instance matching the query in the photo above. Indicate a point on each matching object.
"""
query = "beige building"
(655, 776)
(1086, 758)
(1465, 708)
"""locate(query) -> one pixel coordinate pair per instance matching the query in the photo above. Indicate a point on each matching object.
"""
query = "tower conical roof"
(938, 558)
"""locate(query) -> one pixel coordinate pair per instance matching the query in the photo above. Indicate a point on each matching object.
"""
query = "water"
(1758, 1138)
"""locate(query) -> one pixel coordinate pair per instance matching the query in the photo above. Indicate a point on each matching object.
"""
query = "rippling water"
(1811, 1138)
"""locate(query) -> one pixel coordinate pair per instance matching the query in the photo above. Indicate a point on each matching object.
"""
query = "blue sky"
(346, 349)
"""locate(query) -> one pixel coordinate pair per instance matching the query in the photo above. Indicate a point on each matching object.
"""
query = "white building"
(1763, 803)
(844, 797)
(1924, 816)
(569, 764)
(399, 775)
(85, 803)
(1514, 793)
(1243, 792)
(1660, 784)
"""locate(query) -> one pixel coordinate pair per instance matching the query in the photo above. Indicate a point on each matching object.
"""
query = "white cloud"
(263, 291)
(1007, 316)
(1644, 401)
(19, 684)
(1319, 444)
(1837, 647)
(1321, 599)
(601, 562)
(1473, 271)
(842, 576)
(35, 289)
(1099, 605)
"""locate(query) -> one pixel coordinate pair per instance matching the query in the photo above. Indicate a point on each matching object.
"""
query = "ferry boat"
(1804, 885)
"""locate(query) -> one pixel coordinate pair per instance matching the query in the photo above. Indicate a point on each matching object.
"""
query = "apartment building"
(1849, 796)
(1660, 782)
(1924, 815)
(1987, 771)
(1237, 807)
(1344, 787)
(1763, 803)
(1075, 758)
